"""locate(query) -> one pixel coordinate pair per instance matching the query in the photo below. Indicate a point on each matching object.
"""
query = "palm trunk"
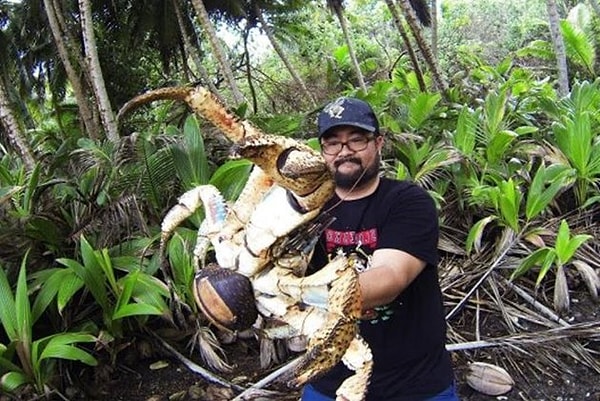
(559, 48)
(409, 48)
(249, 69)
(434, 28)
(15, 136)
(83, 104)
(411, 19)
(211, 34)
(93, 63)
(193, 53)
(340, 16)
(295, 76)
(74, 50)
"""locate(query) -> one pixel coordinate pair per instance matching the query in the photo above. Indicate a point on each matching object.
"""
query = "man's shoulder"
(401, 187)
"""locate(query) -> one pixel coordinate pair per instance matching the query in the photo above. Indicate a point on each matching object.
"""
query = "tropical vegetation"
(492, 106)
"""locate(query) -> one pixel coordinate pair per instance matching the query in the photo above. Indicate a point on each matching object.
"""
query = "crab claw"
(293, 165)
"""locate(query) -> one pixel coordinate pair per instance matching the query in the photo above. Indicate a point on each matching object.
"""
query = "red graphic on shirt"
(335, 239)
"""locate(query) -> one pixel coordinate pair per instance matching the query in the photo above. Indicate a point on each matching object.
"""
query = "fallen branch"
(205, 374)
(481, 280)
(544, 310)
(588, 329)
(268, 379)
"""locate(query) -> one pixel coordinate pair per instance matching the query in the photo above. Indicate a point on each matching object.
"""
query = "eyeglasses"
(355, 144)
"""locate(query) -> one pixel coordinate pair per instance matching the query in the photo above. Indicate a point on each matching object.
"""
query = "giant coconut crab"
(259, 255)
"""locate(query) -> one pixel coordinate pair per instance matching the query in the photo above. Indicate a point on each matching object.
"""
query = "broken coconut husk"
(489, 379)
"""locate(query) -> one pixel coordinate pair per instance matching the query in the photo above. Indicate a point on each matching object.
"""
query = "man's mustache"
(355, 160)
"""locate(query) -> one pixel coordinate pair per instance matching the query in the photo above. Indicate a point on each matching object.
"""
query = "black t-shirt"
(408, 335)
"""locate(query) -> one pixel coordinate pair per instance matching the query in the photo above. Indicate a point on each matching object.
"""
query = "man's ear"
(379, 144)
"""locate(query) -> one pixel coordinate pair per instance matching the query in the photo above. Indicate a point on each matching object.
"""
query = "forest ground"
(177, 382)
(568, 380)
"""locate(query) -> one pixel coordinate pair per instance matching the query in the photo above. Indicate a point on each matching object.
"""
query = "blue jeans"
(310, 394)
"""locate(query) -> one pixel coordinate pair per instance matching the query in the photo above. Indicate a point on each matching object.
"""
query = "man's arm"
(390, 273)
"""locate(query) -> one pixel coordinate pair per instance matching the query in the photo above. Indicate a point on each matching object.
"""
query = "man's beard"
(357, 178)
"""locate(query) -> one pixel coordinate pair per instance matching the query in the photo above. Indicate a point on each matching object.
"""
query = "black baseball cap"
(347, 111)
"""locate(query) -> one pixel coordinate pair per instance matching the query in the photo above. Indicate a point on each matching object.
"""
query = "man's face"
(357, 161)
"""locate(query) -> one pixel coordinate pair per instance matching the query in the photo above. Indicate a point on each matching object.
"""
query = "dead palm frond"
(210, 349)
(587, 330)
(207, 375)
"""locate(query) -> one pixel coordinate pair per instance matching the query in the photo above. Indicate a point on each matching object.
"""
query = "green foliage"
(576, 136)
(579, 47)
(231, 177)
(34, 362)
(559, 255)
(134, 294)
(181, 263)
(480, 26)
(501, 155)
(423, 162)
(544, 187)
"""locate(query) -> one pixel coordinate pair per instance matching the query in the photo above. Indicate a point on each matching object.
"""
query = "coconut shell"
(226, 298)
(489, 379)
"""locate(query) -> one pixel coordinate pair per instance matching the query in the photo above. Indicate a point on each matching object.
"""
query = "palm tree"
(59, 33)
(559, 48)
(434, 28)
(13, 132)
(192, 51)
(337, 7)
(218, 52)
(281, 53)
(411, 52)
(411, 19)
(93, 64)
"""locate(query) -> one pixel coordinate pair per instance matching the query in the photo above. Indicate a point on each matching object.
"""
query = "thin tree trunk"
(342, 19)
(559, 48)
(595, 6)
(434, 28)
(269, 32)
(191, 50)
(13, 132)
(411, 19)
(211, 34)
(93, 63)
(74, 49)
(82, 102)
(411, 53)
(249, 70)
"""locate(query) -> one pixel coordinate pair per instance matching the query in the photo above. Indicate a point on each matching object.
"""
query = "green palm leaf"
(23, 310)
(231, 177)
(12, 380)
(61, 346)
(579, 47)
(190, 160)
(539, 195)
(421, 108)
(464, 138)
(59, 283)
(8, 310)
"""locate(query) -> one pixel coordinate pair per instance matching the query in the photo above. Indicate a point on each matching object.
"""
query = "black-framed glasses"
(356, 144)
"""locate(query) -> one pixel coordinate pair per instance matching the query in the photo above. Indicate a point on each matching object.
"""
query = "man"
(396, 223)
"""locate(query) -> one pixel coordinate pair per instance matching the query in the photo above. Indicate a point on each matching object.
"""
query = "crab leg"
(358, 357)
(256, 187)
(291, 164)
(188, 203)
(330, 323)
